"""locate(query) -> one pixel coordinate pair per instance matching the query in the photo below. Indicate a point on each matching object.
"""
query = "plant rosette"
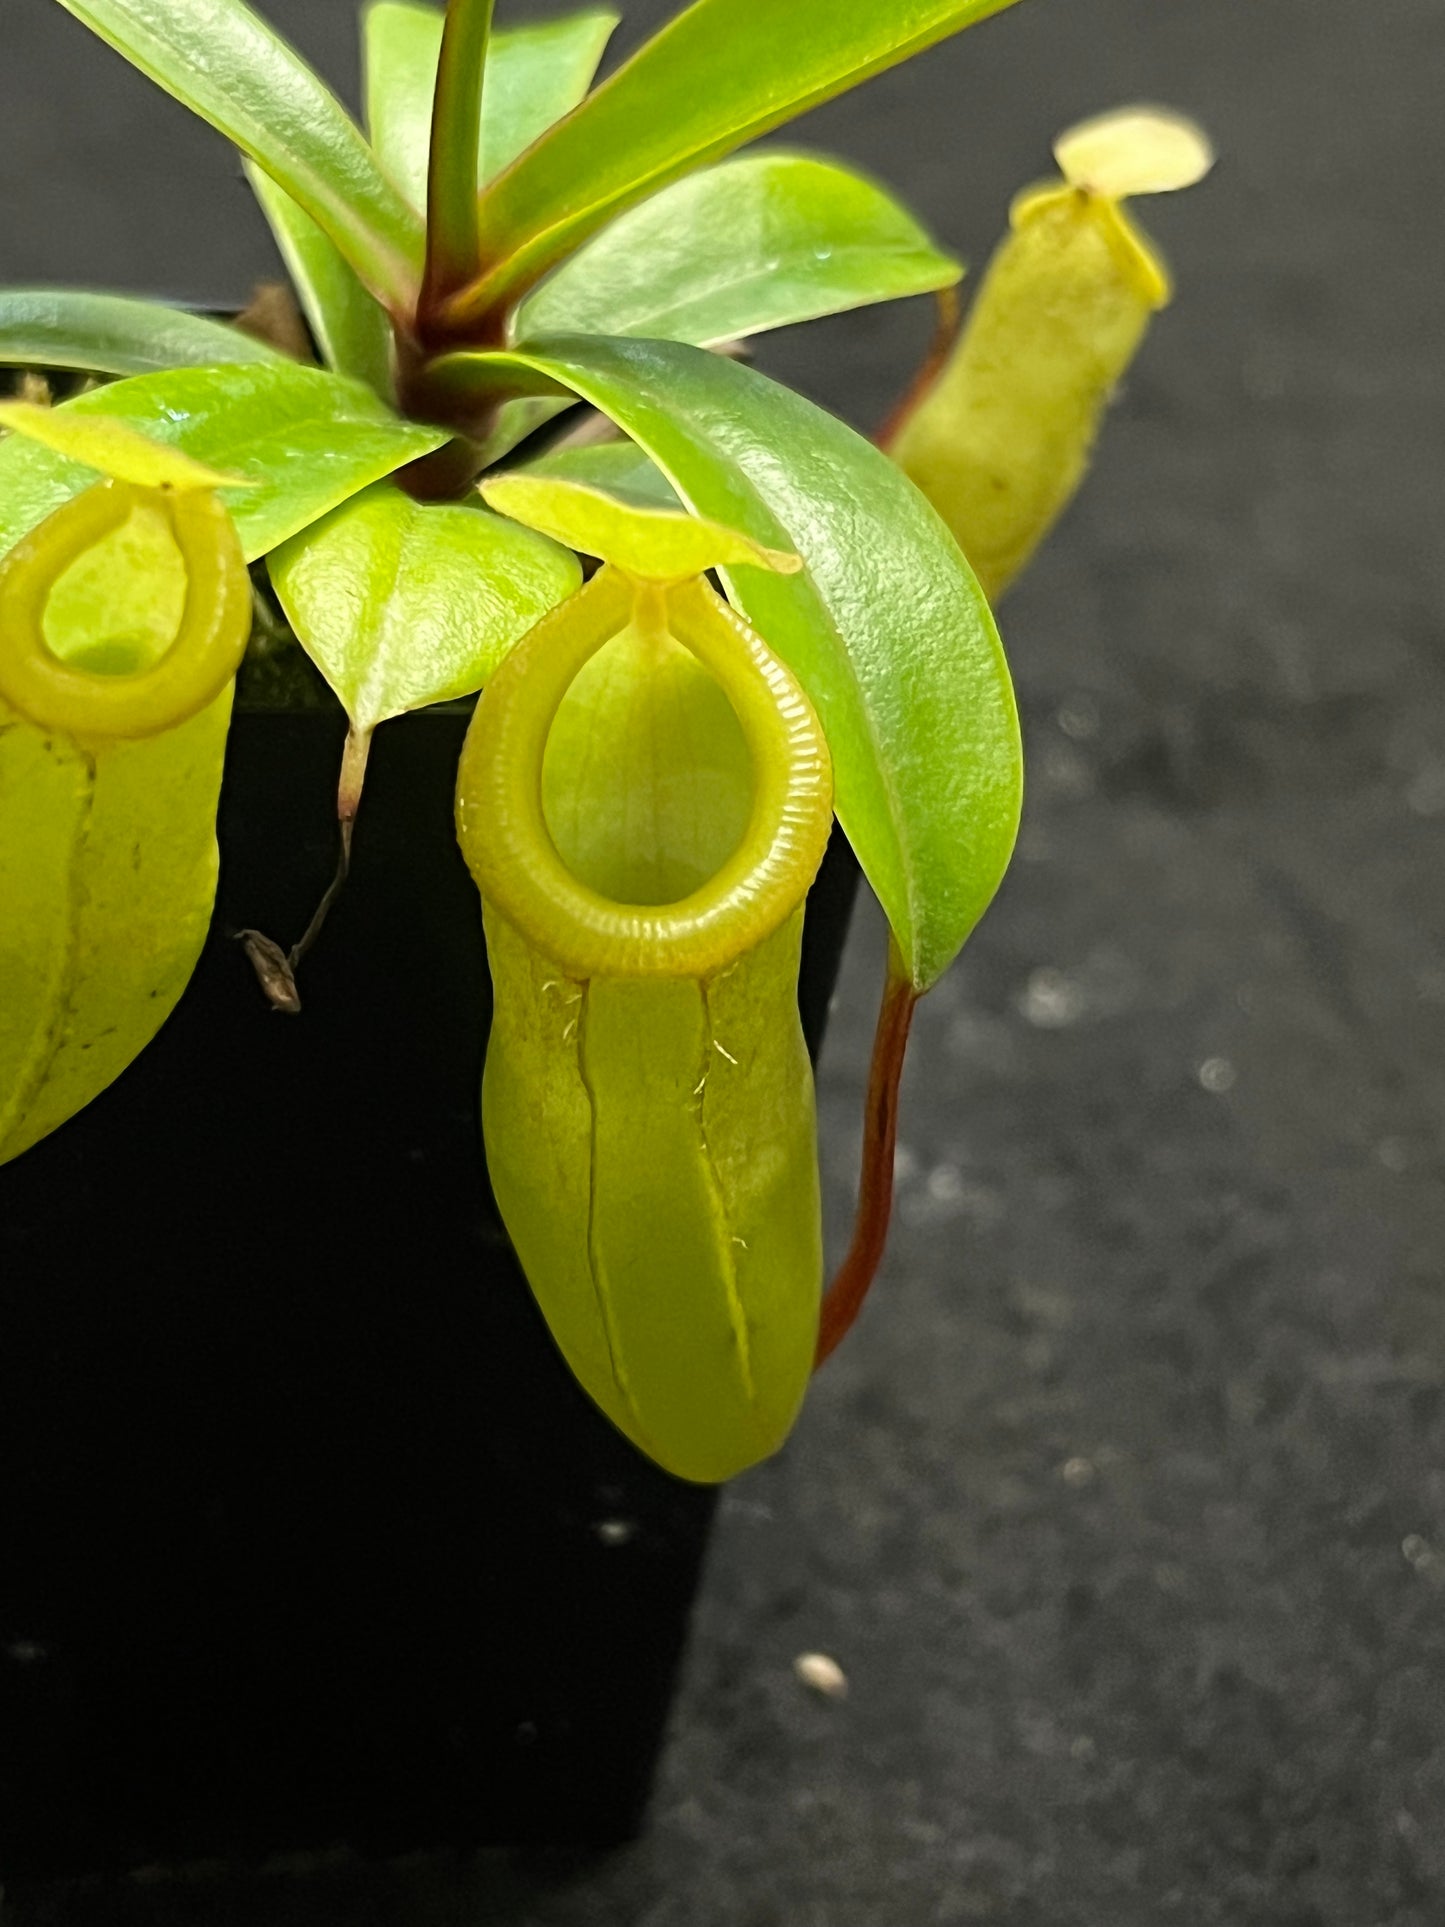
(783, 626)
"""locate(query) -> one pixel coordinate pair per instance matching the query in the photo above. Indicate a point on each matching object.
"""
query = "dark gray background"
(1125, 1509)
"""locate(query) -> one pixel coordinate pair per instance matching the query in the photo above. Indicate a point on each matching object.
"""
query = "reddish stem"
(844, 1298)
(929, 369)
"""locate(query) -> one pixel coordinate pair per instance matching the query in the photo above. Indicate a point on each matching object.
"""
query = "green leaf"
(401, 603)
(351, 330)
(114, 334)
(227, 65)
(401, 46)
(720, 74)
(756, 243)
(753, 244)
(619, 467)
(309, 439)
(535, 74)
(887, 629)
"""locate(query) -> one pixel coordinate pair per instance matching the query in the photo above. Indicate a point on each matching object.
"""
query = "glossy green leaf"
(227, 65)
(535, 74)
(717, 76)
(756, 243)
(400, 46)
(401, 603)
(887, 629)
(620, 467)
(114, 334)
(307, 438)
(351, 329)
(651, 544)
(753, 244)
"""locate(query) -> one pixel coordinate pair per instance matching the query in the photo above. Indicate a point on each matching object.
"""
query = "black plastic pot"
(306, 1535)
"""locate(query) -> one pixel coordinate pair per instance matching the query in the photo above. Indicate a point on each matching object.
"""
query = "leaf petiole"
(348, 802)
(453, 244)
(844, 1298)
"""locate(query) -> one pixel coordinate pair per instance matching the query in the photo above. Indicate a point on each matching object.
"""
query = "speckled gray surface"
(1124, 1512)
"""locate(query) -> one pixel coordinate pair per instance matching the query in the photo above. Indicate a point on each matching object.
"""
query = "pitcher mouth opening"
(502, 824)
(121, 688)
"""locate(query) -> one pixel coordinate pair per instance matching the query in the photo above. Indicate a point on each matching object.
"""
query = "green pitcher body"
(648, 1101)
(123, 616)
